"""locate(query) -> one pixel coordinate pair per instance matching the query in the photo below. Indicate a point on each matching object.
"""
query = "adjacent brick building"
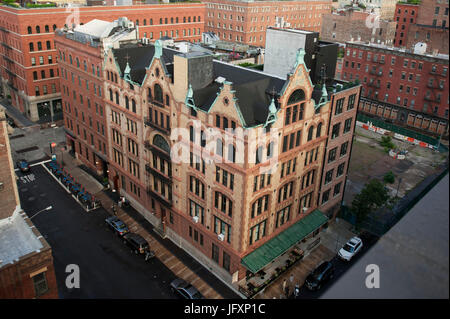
(351, 25)
(405, 15)
(426, 22)
(408, 88)
(26, 261)
(29, 72)
(247, 21)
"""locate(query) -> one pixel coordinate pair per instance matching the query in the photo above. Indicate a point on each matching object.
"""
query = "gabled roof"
(139, 58)
(253, 90)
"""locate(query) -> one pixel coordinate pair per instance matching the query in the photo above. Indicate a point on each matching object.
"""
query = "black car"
(185, 289)
(23, 165)
(117, 225)
(137, 243)
(319, 276)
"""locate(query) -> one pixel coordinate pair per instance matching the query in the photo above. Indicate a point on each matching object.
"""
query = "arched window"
(38, 29)
(127, 103)
(260, 205)
(30, 30)
(85, 66)
(296, 96)
(133, 105)
(70, 58)
(151, 21)
(161, 143)
(31, 47)
(158, 93)
(149, 93)
(184, 19)
(54, 27)
(310, 133)
(49, 46)
(160, 21)
(47, 29)
(111, 95)
(117, 98)
(39, 46)
(319, 130)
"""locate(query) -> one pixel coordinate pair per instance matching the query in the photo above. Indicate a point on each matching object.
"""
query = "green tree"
(373, 196)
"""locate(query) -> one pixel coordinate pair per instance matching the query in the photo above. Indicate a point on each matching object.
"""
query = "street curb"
(65, 188)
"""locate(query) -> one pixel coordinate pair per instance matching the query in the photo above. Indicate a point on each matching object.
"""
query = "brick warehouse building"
(247, 21)
(223, 214)
(345, 25)
(28, 56)
(26, 261)
(405, 15)
(410, 89)
(426, 22)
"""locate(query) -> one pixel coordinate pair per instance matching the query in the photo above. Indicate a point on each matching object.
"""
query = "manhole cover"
(24, 189)
(31, 198)
(43, 194)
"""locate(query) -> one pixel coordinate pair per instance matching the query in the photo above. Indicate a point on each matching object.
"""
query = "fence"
(402, 131)
(379, 222)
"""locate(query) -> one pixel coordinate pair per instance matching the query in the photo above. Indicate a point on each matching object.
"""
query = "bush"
(389, 177)
(386, 142)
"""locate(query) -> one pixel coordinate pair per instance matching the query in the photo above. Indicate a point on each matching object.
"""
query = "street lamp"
(47, 208)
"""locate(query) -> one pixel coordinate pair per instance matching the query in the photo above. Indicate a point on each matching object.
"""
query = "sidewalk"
(173, 257)
(300, 271)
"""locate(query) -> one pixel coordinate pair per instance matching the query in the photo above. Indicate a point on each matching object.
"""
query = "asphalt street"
(108, 269)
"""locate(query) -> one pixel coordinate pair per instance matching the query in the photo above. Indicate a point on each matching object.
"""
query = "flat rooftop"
(17, 238)
(395, 49)
(413, 256)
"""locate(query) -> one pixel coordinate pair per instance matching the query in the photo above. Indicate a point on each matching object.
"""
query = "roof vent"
(220, 79)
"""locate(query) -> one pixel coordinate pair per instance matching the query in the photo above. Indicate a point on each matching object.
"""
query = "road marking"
(28, 178)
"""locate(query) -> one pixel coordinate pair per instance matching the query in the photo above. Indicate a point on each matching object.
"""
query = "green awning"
(275, 247)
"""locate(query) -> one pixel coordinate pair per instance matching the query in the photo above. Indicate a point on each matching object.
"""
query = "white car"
(350, 249)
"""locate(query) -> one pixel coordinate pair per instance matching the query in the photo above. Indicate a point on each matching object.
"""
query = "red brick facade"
(406, 81)
(344, 106)
(246, 22)
(426, 22)
(405, 15)
(30, 75)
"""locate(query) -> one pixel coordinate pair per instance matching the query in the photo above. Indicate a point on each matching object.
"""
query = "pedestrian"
(291, 279)
(287, 292)
(285, 287)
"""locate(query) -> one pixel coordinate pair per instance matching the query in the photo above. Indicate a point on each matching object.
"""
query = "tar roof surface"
(253, 91)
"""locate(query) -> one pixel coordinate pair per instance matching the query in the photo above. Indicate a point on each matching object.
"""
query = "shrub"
(386, 142)
(389, 177)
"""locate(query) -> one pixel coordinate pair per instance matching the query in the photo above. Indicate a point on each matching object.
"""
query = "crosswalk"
(167, 258)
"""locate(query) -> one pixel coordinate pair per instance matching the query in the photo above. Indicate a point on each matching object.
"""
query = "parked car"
(320, 276)
(185, 289)
(137, 243)
(117, 225)
(23, 165)
(350, 249)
